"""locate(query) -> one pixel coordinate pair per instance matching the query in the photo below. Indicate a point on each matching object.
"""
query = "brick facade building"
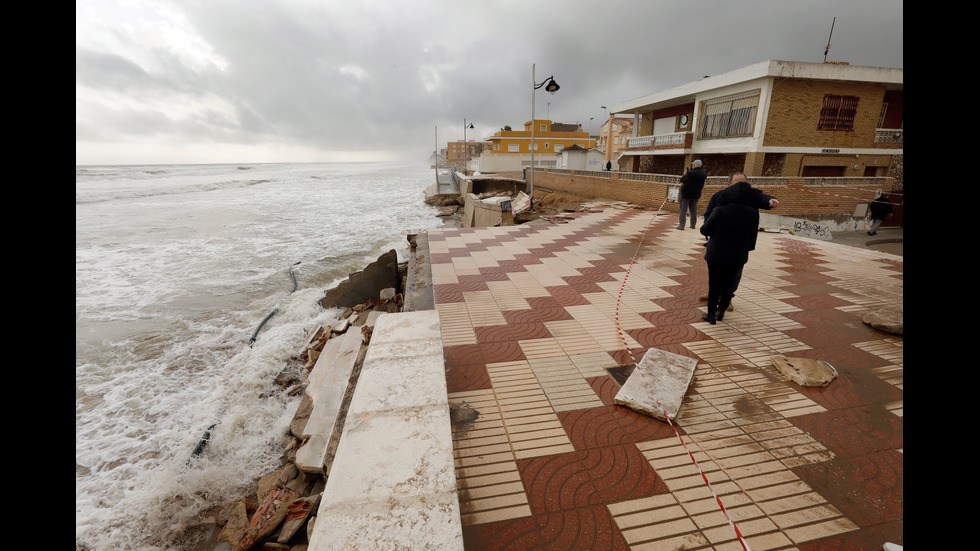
(774, 119)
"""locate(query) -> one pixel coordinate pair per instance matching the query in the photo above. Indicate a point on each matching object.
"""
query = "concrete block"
(392, 453)
(407, 327)
(658, 384)
(399, 382)
(428, 521)
(311, 456)
(372, 318)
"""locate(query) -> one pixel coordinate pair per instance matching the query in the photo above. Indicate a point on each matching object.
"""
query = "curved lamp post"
(551, 86)
(466, 146)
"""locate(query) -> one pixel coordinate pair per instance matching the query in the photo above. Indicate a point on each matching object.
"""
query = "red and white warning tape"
(862, 199)
(619, 328)
(622, 336)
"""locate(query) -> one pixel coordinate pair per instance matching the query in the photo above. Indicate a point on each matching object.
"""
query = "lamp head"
(552, 86)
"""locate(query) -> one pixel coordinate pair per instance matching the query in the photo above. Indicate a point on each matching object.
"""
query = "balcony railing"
(889, 135)
(675, 138)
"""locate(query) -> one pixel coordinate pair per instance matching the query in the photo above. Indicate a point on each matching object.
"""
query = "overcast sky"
(256, 81)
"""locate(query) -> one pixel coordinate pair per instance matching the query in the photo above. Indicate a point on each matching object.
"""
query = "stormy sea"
(177, 270)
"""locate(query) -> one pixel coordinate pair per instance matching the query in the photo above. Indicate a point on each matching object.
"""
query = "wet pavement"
(539, 332)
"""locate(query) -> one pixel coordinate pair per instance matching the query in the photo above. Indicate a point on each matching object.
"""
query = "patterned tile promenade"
(533, 355)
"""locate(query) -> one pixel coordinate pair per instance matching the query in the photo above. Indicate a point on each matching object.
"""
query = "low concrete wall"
(804, 198)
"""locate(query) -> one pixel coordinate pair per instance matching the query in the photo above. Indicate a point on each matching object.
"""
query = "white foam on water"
(175, 269)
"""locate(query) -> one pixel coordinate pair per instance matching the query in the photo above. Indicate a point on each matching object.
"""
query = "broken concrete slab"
(365, 285)
(805, 371)
(889, 319)
(658, 384)
(327, 387)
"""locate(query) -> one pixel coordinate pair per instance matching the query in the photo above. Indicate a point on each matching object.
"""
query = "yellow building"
(549, 138)
(613, 135)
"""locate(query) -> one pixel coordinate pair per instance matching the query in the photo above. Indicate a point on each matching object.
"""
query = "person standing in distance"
(880, 209)
(692, 182)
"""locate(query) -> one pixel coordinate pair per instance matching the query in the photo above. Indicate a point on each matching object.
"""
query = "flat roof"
(686, 93)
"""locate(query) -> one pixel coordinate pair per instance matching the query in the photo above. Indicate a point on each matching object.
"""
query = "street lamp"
(551, 86)
(606, 143)
(466, 146)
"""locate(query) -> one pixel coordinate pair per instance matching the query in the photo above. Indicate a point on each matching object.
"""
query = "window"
(513, 148)
(838, 112)
(547, 145)
(881, 117)
(544, 128)
(730, 116)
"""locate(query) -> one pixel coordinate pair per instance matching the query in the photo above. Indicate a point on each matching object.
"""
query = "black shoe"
(720, 315)
(710, 318)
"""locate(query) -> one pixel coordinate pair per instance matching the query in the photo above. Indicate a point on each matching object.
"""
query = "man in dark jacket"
(692, 182)
(757, 200)
(733, 228)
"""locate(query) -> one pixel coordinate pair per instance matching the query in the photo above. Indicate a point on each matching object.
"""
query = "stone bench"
(392, 484)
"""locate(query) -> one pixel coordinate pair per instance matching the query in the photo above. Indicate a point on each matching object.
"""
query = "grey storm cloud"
(382, 75)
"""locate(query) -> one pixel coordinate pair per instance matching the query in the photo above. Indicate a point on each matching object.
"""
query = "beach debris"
(267, 517)
(236, 522)
(889, 319)
(296, 514)
(204, 442)
(520, 203)
(805, 371)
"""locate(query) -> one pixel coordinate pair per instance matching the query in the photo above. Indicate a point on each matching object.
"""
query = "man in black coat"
(758, 200)
(732, 227)
(692, 182)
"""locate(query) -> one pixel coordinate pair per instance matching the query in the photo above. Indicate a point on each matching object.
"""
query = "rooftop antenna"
(827, 49)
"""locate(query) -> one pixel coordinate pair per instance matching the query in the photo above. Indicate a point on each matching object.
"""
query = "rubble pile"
(281, 512)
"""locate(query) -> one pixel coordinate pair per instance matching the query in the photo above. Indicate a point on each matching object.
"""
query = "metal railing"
(674, 138)
(889, 135)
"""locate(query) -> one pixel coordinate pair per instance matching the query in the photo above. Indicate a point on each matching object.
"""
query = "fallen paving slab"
(658, 384)
(805, 371)
(327, 386)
